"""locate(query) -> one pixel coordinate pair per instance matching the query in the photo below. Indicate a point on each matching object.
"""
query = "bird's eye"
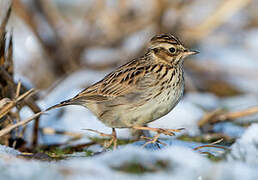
(172, 50)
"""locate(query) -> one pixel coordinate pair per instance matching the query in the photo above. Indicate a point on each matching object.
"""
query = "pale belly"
(156, 108)
(150, 111)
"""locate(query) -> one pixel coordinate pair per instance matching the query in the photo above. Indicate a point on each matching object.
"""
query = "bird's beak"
(189, 52)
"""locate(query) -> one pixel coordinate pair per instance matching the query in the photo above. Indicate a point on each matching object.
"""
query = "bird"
(140, 91)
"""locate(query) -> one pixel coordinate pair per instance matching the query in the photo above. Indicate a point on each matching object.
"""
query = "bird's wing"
(120, 82)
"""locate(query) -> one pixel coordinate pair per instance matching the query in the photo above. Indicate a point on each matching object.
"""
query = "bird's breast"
(163, 100)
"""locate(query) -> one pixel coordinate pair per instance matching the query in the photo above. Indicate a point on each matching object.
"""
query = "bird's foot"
(113, 137)
(153, 140)
(169, 132)
(159, 131)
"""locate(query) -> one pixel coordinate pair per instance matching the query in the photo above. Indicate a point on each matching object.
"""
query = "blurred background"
(60, 47)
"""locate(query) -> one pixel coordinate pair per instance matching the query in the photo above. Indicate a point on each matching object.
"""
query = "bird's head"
(168, 49)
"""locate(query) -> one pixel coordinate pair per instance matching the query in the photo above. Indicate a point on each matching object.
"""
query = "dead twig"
(239, 114)
(51, 131)
(3, 102)
(13, 103)
(220, 115)
(209, 116)
(213, 144)
(8, 129)
(18, 90)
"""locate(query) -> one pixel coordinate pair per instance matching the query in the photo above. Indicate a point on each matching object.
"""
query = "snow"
(251, 42)
(4, 150)
(208, 101)
(229, 170)
(229, 129)
(246, 148)
(178, 163)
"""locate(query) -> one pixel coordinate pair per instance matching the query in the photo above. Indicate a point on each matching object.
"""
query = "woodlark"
(139, 91)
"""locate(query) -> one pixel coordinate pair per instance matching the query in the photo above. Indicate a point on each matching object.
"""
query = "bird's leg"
(113, 139)
(159, 131)
(113, 136)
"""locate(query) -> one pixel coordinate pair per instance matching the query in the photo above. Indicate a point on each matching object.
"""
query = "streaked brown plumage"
(140, 91)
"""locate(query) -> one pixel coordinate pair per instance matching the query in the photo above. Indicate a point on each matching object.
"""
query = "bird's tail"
(63, 103)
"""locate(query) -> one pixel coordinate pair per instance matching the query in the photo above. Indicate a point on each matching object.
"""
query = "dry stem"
(220, 115)
(21, 123)
(6, 108)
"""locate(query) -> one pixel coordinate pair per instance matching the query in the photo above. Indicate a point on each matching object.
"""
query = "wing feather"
(118, 83)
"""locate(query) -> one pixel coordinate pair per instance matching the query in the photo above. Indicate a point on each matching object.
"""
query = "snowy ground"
(174, 162)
